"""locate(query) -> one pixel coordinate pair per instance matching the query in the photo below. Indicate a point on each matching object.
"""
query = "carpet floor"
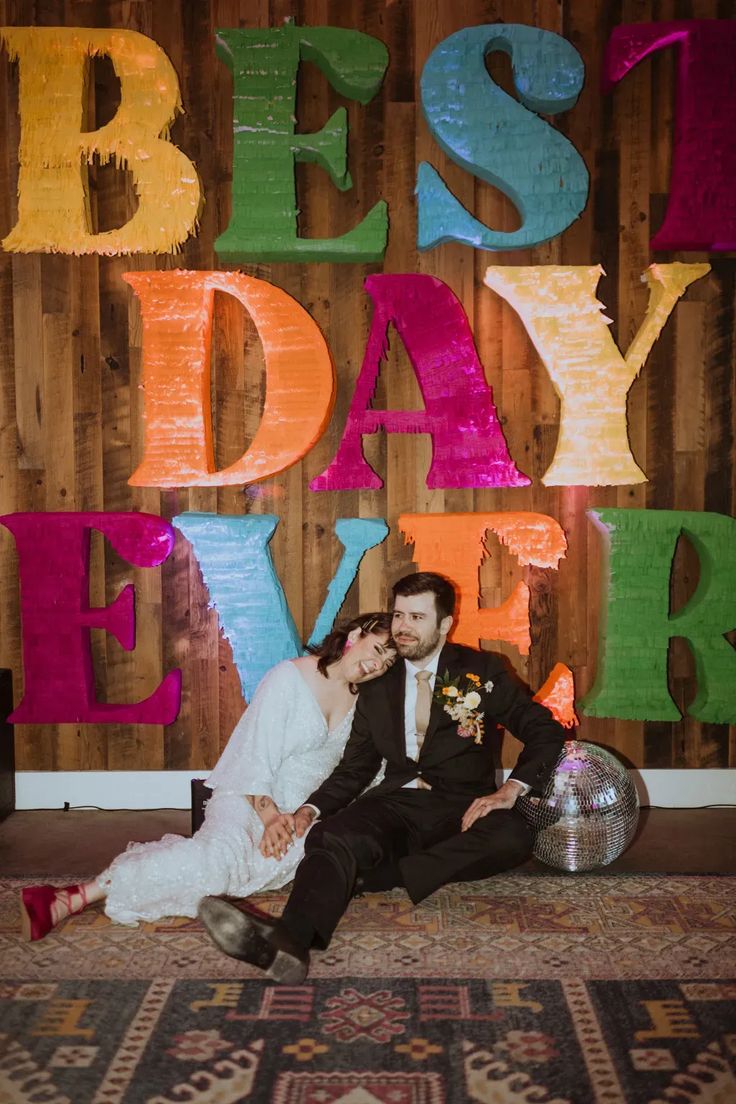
(536, 989)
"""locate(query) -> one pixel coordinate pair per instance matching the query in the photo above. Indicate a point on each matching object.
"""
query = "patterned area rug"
(513, 925)
(536, 989)
(368, 1041)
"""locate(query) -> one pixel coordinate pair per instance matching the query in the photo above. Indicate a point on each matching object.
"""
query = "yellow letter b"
(53, 206)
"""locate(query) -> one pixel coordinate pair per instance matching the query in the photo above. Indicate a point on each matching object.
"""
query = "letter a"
(53, 204)
(468, 446)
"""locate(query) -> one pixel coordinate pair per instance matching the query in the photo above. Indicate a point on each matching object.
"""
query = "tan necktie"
(424, 703)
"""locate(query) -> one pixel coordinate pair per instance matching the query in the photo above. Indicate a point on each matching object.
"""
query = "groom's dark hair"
(428, 582)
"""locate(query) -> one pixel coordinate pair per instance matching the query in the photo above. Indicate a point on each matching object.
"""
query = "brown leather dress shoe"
(255, 939)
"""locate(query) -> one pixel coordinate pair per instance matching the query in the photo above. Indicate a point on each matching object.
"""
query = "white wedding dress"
(280, 747)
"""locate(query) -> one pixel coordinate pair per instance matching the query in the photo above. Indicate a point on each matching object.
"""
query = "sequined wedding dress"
(280, 747)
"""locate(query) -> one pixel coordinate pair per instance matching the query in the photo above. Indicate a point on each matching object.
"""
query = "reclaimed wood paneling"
(70, 351)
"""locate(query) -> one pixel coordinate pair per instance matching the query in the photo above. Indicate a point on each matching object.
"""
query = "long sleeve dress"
(280, 747)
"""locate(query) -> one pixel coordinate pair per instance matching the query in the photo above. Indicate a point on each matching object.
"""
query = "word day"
(557, 304)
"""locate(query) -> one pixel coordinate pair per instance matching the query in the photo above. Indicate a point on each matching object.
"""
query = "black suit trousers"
(416, 831)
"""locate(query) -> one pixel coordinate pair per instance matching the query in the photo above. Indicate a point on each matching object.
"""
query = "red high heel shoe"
(36, 902)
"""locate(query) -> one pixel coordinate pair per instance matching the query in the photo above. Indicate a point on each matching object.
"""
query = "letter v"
(238, 571)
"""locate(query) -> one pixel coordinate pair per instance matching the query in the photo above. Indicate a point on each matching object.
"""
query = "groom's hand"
(303, 818)
(278, 836)
(503, 798)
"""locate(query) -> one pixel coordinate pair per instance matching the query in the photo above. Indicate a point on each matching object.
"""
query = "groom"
(436, 817)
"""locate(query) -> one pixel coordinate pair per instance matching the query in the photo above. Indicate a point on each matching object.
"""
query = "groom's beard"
(415, 649)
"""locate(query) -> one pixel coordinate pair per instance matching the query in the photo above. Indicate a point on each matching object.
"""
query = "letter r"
(637, 623)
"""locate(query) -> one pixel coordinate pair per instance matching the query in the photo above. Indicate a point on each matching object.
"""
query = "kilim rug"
(536, 989)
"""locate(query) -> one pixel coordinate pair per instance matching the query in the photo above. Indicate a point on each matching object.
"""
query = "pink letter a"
(468, 446)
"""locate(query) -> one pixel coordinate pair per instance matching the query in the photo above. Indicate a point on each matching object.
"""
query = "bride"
(288, 740)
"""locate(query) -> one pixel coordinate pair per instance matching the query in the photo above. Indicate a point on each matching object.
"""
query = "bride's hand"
(277, 837)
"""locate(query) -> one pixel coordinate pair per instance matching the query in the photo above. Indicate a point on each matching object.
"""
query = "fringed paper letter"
(631, 680)
(499, 139)
(701, 211)
(53, 561)
(264, 64)
(55, 149)
(454, 545)
(558, 694)
(177, 309)
(559, 308)
(468, 446)
(238, 571)
(356, 535)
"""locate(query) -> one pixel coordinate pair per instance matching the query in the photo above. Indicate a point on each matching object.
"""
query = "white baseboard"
(105, 789)
(170, 789)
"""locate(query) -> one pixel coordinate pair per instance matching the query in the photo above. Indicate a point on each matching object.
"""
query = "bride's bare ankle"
(69, 901)
(60, 907)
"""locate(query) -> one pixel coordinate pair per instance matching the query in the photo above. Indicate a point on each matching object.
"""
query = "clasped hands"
(279, 833)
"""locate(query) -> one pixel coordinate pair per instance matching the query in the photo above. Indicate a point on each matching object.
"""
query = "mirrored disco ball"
(588, 813)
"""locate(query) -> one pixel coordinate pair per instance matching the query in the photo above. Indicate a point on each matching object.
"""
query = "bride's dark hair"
(333, 645)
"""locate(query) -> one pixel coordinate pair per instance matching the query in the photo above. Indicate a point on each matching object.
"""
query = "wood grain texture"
(71, 360)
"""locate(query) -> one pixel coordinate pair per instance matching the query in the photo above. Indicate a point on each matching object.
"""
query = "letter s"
(497, 139)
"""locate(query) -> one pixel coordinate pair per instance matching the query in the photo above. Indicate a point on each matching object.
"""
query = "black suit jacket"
(450, 763)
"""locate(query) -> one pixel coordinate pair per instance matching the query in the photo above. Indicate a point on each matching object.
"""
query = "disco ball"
(588, 813)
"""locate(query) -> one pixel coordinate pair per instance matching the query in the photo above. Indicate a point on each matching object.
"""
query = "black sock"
(299, 928)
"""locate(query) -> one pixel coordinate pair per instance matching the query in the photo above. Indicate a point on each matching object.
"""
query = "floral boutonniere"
(461, 703)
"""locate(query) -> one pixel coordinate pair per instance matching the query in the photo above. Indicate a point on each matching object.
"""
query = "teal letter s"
(497, 139)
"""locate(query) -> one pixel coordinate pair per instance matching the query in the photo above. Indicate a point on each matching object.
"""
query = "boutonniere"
(461, 703)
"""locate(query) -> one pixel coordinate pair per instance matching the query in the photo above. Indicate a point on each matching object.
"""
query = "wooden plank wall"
(70, 344)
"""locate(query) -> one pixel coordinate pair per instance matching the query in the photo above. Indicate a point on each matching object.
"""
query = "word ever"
(636, 625)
